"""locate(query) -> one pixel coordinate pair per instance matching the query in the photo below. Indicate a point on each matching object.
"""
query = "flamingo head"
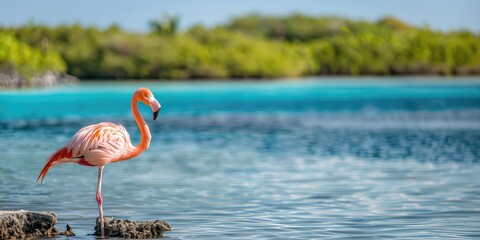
(145, 96)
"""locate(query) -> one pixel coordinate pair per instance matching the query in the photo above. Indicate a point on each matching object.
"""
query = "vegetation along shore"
(251, 46)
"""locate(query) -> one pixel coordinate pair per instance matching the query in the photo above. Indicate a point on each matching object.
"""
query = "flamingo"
(103, 143)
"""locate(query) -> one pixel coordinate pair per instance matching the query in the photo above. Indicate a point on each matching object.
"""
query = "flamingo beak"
(155, 105)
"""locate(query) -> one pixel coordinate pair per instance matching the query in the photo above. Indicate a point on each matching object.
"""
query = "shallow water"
(331, 159)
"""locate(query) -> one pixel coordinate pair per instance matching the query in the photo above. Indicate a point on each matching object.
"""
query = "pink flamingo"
(103, 143)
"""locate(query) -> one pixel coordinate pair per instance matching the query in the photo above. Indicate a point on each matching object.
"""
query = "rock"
(131, 229)
(15, 80)
(68, 231)
(25, 224)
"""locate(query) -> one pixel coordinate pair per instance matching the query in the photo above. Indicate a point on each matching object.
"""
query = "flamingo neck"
(144, 130)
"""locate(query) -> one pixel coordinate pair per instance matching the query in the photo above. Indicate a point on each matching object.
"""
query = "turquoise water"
(313, 159)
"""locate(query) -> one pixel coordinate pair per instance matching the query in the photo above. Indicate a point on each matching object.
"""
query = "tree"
(166, 25)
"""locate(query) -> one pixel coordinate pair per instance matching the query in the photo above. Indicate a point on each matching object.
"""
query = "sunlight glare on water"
(384, 158)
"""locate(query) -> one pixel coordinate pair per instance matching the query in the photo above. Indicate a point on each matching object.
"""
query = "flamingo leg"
(100, 201)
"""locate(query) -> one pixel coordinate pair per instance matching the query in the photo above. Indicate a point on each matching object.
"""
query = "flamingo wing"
(99, 144)
(93, 145)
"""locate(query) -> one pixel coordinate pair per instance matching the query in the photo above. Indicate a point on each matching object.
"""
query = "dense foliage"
(18, 57)
(257, 46)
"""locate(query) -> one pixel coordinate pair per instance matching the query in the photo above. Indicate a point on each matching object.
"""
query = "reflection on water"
(269, 161)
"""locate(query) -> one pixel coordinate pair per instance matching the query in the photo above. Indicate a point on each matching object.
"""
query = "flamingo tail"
(58, 155)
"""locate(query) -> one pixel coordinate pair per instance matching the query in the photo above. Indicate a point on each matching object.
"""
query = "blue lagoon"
(302, 159)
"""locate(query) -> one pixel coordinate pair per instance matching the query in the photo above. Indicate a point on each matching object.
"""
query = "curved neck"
(142, 125)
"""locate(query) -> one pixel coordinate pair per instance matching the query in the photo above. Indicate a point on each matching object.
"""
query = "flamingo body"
(104, 143)
(94, 145)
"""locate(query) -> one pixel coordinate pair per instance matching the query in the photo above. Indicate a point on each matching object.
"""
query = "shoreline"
(261, 79)
(55, 79)
(47, 79)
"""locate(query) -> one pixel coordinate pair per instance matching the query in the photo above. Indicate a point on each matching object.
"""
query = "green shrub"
(20, 57)
(251, 46)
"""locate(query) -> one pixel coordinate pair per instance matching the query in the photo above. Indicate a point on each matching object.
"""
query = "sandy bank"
(15, 80)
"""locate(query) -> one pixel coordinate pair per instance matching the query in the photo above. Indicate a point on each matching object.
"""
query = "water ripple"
(345, 165)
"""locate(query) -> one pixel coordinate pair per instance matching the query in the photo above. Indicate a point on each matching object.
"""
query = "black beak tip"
(155, 114)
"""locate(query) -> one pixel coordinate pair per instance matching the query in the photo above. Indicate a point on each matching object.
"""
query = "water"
(312, 159)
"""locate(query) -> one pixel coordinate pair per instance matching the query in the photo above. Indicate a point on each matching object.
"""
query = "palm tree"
(166, 25)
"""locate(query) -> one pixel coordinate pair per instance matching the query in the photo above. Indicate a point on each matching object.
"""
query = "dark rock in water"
(68, 232)
(25, 224)
(131, 229)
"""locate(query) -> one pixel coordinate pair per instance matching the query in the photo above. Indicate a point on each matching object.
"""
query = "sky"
(134, 15)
